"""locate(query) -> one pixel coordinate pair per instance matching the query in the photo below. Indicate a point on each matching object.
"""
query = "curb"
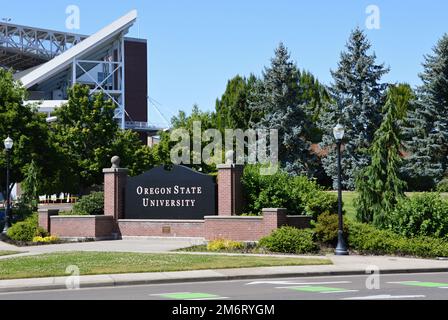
(109, 281)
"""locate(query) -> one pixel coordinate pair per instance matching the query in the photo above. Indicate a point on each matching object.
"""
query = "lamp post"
(8, 146)
(341, 249)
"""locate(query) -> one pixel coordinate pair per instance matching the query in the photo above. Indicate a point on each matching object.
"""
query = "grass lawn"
(92, 263)
(8, 253)
(349, 197)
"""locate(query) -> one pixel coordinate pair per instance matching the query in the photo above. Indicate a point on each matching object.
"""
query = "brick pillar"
(115, 180)
(44, 218)
(230, 190)
(274, 218)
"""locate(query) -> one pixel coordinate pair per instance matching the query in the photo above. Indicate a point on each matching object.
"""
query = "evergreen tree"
(427, 130)
(232, 110)
(379, 185)
(31, 186)
(278, 98)
(314, 94)
(358, 96)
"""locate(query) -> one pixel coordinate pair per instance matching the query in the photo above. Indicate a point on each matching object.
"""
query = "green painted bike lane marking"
(318, 289)
(187, 296)
(423, 284)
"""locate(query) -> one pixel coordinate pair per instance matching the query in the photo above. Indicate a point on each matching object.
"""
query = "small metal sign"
(176, 193)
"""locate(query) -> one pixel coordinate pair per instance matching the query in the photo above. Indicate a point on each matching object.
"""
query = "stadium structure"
(49, 62)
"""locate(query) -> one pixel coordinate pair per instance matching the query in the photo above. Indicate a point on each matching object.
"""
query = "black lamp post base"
(341, 249)
(341, 252)
(5, 230)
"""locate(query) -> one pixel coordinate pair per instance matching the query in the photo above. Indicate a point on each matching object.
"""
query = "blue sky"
(196, 46)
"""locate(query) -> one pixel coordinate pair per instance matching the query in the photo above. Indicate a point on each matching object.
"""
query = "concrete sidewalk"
(149, 245)
(350, 265)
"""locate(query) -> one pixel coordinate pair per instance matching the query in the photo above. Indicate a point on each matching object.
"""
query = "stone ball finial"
(115, 162)
(230, 157)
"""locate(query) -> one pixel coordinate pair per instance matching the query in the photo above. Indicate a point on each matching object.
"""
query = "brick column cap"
(50, 211)
(115, 170)
(274, 210)
(229, 166)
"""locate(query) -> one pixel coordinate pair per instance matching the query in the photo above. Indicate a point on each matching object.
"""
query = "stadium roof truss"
(23, 47)
(49, 62)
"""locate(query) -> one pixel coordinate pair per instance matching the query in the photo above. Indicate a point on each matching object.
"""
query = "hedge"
(26, 230)
(366, 239)
(92, 204)
(290, 240)
(298, 194)
(327, 228)
(422, 215)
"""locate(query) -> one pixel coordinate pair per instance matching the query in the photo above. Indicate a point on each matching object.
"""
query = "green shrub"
(224, 245)
(290, 240)
(264, 191)
(442, 186)
(93, 205)
(422, 215)
(299, 195)
(26, 230)
(327, 228)
(366, 239)
(321, 202)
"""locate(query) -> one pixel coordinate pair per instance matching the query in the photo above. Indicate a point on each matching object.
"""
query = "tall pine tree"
(278, 98)
(380, 185)
(358, 95)
(427, 130)
(232, 110)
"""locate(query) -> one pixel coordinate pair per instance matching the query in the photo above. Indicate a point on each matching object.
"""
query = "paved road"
(392, 287)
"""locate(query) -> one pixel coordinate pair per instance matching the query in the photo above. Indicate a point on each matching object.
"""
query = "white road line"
(385, 297)
(343, 291)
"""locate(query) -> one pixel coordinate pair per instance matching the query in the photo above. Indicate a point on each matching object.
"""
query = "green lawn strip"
(93, 263)
(317, 289)
(8, 253)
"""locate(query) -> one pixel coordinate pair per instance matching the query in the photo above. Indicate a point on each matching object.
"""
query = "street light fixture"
(8, 146)
(341, 249)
